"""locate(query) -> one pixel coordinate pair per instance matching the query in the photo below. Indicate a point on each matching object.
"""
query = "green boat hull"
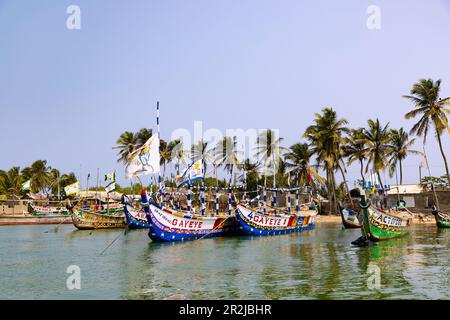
(379, 226)
(442, 220)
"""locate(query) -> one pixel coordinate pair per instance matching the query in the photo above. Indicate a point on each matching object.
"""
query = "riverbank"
(9, 220)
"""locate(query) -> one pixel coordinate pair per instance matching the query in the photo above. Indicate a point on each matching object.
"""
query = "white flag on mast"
(145, 160)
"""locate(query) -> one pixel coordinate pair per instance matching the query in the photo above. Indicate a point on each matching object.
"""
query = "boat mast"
(159, 139)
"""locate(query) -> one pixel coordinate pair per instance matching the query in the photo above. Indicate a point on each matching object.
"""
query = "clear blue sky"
(67, 95)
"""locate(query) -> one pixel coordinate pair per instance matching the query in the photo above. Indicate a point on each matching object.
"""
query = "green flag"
(26, 186)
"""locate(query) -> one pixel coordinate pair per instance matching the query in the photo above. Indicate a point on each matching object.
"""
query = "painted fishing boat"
(49, 210)
(349, 218)
(136, 219)
(102, 219)
(442, 219)
(167, 225)
(378, 225)
(257, 223)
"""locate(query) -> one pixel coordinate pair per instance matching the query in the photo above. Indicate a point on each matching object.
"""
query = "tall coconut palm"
(165, 154)
(201, 151)
(227, 154)
(326, 137)
(269, 152)
(377, 147)
(432, 111)
(142, 137)
(178, 153)
(39, 175)
(298, 163)
(59, 181)
(126, 144)
(401, 144)
(355, 150)
(11, 183)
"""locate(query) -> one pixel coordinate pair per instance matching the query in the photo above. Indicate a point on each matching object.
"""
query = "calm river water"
(318, 264)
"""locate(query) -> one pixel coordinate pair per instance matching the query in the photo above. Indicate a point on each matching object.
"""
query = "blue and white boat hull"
(255, 223)
(136, 219)
(167, 225)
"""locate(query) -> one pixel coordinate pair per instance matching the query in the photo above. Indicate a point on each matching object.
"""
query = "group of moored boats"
(377, 224)
(167, 223)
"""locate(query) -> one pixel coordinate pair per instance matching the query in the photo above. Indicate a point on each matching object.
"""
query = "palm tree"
(401, 144)
(355, 150)
(126, 144)
(377, 147)
(59, 181)
(269, 152)
(201, 151)
(165, 155)
(39, 176)
(326, 137)
(178, 153)
(431, 109)
(298, 160)
(11, 183)
(142, 137)
(227, 154)
(129, 142)
(250, 173)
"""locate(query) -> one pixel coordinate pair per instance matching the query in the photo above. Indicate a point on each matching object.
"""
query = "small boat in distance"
(349, 218)
(442, 219)
(48, 210)
(85, 219)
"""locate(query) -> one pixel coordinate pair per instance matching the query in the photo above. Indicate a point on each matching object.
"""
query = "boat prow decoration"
(349, 218)
(256, 223)
(168, 225)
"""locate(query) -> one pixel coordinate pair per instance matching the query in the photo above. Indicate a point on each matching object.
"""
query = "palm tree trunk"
(362, 172)
(443, 156)
(401, 172)
(383, 199)
(333, 181)
(330, 194)
(379, 179)
(346, 184)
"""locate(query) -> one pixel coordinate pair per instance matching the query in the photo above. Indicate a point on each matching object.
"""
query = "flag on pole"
(26, 185)
(145, 160)
(193, 173)
(110, 187)
(110, 176)
(72, 188)
(111, 179)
